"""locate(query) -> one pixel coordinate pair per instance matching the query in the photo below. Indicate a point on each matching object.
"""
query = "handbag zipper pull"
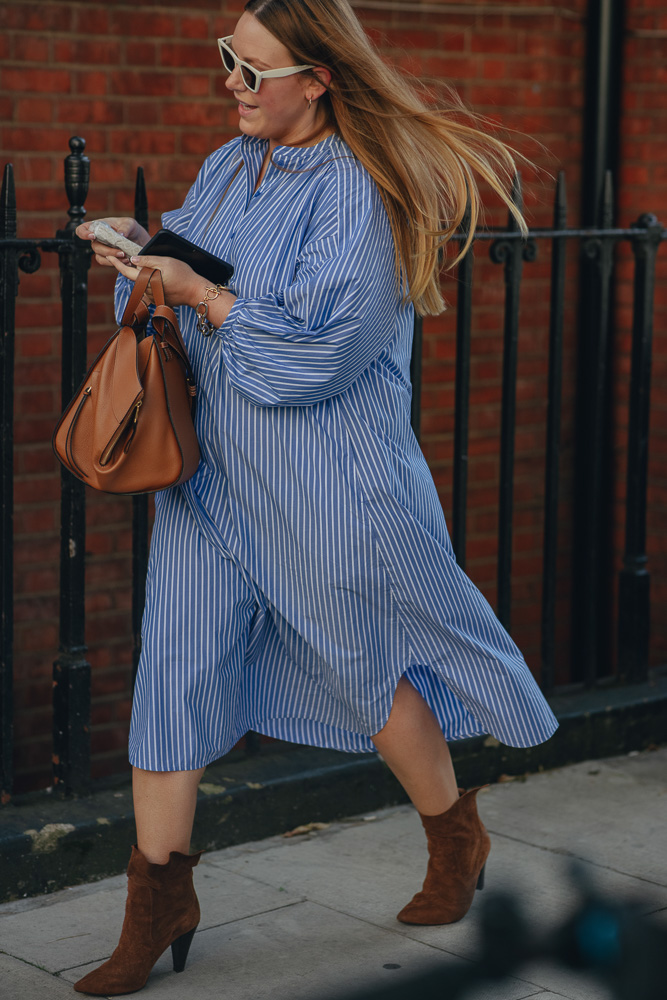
(134, 427)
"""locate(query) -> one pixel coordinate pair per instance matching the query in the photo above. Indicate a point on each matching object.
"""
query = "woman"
(302, 584)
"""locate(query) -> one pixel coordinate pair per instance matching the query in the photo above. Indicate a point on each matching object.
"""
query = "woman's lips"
(246, 109)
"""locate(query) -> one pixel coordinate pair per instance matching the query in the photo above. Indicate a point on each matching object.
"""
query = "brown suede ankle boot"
(458, 846)
(161, 910)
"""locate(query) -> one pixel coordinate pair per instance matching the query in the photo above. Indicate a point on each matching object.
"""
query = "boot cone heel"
(180, 948)
(458, 846)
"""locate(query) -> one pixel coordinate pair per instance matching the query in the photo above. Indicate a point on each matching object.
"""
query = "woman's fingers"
(124, 268)
(181, 284)
(132, 273)
(83, 231)
(124, 225)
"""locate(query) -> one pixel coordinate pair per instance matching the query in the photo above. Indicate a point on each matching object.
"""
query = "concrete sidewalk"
(313, 916)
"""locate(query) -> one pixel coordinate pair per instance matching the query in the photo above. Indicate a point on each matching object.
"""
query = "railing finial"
(141, 199)
(8, 204)
(77, 176)
(560, 202)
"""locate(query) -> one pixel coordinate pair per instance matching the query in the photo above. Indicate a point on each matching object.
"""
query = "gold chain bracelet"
(204, 324)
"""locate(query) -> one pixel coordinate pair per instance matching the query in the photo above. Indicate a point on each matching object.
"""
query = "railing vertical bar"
(139, 503)
(8, 290)
(634, 607)
(71, 670)
(510, 253)
(589, 586)
(462, 398)
(552, 466)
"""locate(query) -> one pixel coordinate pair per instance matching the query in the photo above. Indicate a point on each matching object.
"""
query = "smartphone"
(168, 244)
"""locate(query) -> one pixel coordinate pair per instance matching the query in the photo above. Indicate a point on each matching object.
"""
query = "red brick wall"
(143, 85)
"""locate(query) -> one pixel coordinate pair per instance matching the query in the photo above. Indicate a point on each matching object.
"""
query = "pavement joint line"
(224, 923)
(251, 878)
(551, 993)
(81, 965)
(33, 965)
(259, 913)
(534, 996)
(397, 931)
(561, 852)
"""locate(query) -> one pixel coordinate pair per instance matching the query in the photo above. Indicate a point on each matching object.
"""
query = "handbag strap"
(134, 315)
(164, 317)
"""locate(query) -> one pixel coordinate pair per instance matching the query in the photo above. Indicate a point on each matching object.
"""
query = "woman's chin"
(249, 127)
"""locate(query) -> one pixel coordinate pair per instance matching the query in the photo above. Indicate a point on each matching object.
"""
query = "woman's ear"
(315, 90)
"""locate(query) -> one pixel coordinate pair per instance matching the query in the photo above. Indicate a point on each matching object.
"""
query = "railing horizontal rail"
(536, 234)
(49, 244)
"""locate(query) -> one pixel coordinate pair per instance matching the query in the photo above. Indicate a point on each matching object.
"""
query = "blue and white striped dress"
(307, 566)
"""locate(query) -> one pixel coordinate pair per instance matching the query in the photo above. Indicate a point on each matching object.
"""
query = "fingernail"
(135, 260)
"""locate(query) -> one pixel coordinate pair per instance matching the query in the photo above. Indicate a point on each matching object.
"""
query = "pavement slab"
(301, 952)
(76, 928)
(313, 916)
(612, 814)
(22, 981)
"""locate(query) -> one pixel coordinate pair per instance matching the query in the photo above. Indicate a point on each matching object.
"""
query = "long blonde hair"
(430, 154)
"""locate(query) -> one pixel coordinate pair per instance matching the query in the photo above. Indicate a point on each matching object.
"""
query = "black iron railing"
(71, 709)
(597, 250)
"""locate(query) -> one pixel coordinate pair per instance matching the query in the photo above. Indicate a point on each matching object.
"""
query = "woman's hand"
(126, 226)
(182, 286)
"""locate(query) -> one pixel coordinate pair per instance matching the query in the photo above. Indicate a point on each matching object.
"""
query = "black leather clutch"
(168, 244)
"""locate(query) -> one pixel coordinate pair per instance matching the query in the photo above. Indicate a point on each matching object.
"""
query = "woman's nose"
(235, 81)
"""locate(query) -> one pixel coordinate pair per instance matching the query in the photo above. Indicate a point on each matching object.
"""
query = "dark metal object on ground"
(610, 940)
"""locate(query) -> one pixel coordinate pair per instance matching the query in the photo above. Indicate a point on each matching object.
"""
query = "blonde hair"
(430, 153)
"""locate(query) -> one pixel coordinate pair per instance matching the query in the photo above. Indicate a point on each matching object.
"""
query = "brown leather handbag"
(129, 427)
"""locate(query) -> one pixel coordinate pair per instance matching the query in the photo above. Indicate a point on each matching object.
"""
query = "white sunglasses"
(251, 77)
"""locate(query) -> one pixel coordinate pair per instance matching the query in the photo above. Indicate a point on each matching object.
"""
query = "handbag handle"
(164, 318)
(132, 316)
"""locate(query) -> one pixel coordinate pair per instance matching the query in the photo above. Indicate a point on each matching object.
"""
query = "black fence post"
(511, 253)
(8, 290)
(71, 670)
(634, 608)
(591, 577)
(552, 464)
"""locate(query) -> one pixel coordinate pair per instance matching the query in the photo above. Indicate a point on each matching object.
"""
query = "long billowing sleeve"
(313, 338)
